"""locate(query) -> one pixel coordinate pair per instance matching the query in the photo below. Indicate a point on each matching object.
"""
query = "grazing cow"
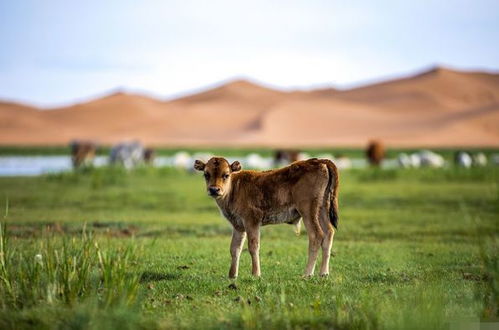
(343, 162)
(404, 160)
(257, 162)
(463, 159)
(148, 155)
(407, 161)
(423, 158)
(285, 157)
(128, 154)
(375, 152)
(415, 160)
(494, 159)
(182, 160)
(251, 199)
(82, 153)
(479, 159)
(430, 159)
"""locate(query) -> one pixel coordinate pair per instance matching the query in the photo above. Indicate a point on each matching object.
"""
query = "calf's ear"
(199, 165)
(235, 166)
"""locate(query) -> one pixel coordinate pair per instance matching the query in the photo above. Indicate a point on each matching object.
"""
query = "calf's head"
(217, 174)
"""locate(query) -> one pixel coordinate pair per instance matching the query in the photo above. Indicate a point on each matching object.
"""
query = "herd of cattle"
(127, 154)
(132, 154)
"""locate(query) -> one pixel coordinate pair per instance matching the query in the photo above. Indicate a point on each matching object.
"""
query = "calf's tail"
(332, 190)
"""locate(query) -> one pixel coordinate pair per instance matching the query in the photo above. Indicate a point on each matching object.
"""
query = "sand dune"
(436, 89)
(438, 107)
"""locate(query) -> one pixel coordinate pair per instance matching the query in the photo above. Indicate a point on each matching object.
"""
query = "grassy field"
(447, 153)
(148, 249)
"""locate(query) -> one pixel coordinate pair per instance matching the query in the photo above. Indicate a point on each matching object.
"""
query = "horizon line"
(226, 81)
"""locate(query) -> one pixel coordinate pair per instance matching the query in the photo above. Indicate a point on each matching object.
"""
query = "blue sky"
(57, 52)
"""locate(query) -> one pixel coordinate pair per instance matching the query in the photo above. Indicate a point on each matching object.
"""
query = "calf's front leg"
(254, 248)
(236, 246)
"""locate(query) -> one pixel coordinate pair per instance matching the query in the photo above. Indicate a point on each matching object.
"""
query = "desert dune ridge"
(439, 107)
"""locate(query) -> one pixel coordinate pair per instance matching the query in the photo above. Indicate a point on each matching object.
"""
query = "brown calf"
(250, 199)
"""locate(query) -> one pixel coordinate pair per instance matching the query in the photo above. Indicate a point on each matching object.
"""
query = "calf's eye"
(225, 176)
(206, 176)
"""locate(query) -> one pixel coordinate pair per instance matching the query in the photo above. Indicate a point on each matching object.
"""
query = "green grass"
(415, 249)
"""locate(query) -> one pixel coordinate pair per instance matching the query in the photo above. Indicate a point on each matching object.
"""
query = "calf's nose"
(214, 190)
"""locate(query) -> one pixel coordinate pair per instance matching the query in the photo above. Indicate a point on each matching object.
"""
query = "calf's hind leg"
(315, 236)
(253, 232)
(327, 242)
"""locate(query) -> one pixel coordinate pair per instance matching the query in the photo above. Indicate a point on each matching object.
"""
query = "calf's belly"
(290, 215)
